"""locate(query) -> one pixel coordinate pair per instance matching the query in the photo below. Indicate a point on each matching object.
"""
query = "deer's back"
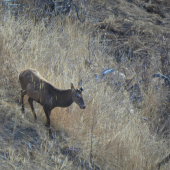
(35, 85)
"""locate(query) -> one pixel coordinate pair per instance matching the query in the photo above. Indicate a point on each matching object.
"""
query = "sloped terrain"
(126, 121)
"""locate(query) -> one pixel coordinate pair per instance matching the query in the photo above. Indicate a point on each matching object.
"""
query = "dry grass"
(110, 128)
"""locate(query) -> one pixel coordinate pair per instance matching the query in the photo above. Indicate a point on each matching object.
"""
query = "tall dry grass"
(108, 129)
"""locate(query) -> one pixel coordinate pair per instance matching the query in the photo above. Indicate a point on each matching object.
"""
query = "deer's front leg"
(47, 113)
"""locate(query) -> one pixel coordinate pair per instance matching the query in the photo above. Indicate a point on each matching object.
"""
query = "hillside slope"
(126, 121)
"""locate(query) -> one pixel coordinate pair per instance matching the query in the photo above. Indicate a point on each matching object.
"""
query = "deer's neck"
(63, 98)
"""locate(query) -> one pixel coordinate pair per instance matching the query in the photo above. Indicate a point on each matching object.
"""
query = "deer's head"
(77, 95)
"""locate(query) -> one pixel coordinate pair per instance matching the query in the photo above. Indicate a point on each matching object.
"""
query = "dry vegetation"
(125, 124)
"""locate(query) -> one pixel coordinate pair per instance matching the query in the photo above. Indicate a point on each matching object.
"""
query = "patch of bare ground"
(126, 121)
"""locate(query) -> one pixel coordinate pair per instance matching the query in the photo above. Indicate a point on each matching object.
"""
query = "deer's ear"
(72, 86)
(80, 83)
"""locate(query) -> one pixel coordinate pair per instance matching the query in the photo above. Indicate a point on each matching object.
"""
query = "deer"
(43, 92)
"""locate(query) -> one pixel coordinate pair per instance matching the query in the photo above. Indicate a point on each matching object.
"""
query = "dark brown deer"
(40, 90)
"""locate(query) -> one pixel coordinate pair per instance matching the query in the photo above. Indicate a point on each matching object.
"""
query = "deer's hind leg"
(30, 100)
(23, 93)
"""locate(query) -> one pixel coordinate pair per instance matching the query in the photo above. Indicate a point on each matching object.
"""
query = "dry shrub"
(110, 128)
(156, 106)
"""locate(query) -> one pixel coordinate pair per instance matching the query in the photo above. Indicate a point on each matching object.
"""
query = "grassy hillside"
(126, 121)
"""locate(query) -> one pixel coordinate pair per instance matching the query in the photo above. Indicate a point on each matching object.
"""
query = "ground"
(126, 121)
